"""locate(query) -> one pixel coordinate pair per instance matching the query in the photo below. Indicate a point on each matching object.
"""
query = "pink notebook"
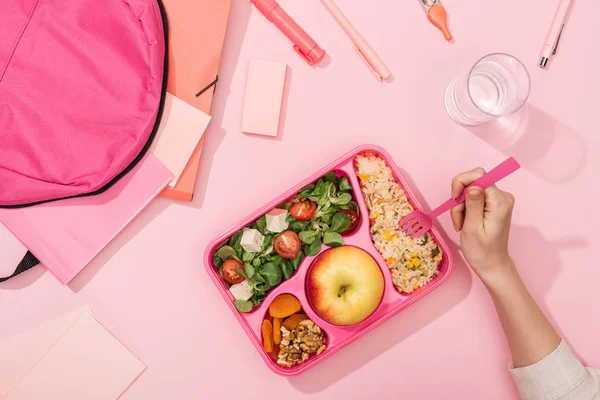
(66, 235)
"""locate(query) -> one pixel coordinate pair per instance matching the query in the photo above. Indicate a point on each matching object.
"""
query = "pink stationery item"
(66, 235)
(304, 45)
(264, 94)
(360, 44)
(180, 130)
(19, 354)
(417, 223)
(555, 33)
(196, 35)
(86, 362)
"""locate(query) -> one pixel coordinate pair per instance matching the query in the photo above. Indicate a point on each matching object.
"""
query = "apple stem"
(342, 291)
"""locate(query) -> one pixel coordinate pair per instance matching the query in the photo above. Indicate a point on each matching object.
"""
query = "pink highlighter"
(303, 43)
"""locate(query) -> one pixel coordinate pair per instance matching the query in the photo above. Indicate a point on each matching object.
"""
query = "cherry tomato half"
(353, 220)
(230, 273)
(287, 245)
(303, 210)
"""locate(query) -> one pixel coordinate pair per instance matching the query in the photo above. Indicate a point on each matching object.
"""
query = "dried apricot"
(277, 330)
(267, 333)
(292, 322)
(275, 353)
(284, 305)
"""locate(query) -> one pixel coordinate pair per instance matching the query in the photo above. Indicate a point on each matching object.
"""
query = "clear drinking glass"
(496, 86)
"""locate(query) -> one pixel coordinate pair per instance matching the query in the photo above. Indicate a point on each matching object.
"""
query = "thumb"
(475, 205)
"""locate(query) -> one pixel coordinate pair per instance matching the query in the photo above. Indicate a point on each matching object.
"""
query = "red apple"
(344, 285)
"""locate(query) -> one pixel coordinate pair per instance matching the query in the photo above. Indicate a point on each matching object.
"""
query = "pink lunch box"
(337, 337)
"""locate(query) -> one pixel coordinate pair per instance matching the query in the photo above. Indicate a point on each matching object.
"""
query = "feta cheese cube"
(276, 220)
(252, 240)
(241, 291)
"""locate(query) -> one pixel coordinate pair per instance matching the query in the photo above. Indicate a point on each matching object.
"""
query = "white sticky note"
(180, 131)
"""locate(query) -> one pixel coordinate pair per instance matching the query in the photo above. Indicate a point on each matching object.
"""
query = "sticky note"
(180, 131)
(264, 94)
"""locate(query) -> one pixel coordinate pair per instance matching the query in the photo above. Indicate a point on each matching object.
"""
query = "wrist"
(502, 275)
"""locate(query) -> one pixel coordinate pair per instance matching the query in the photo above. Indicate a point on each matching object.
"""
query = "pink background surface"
(149, 287)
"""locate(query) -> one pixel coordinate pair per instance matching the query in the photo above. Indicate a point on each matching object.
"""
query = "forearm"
(530, 335)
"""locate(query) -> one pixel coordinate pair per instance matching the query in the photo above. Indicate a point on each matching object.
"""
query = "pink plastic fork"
(417, 223)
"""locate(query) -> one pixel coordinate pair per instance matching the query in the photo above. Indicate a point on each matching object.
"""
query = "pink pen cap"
(303, 43)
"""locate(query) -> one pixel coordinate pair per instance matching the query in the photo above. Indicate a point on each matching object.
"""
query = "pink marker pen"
(555, 32)
(303, 44)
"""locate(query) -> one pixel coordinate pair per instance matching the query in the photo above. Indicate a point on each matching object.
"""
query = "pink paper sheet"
(181, 128)
(19, 354)
(86, 363)
(66, 235)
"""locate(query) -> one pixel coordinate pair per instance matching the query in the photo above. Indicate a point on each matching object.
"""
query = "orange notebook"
(196, 33)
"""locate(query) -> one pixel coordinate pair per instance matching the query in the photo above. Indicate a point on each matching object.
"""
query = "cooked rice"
(387, 205)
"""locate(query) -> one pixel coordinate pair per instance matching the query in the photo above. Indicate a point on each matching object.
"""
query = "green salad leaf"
(271, 273)
(287, 269)
(275, 259)
(243, 305)
(258, 278)
(227, 253)
(218, 261)
(249, 270)
(308, 236)
(248, 257)
(258, 298)
(313, 248)
(241, 273)
(345, 184)
(340, 222)
(267, 243)
(333, 239)
(331, 177)
(295, 262)
(235, 243)
(298, 226)
(261, 225)
(342, 199)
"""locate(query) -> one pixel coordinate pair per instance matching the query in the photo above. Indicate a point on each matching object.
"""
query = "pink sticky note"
(87, 363)
(66, 235)
(264, 94)
(19, 354)
(180, 131)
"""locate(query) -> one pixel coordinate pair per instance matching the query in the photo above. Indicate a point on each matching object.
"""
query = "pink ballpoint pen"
(555, 32)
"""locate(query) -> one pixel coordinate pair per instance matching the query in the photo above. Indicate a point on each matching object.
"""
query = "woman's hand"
(484, 222)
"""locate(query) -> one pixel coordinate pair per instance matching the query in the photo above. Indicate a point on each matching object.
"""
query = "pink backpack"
(82, 86)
